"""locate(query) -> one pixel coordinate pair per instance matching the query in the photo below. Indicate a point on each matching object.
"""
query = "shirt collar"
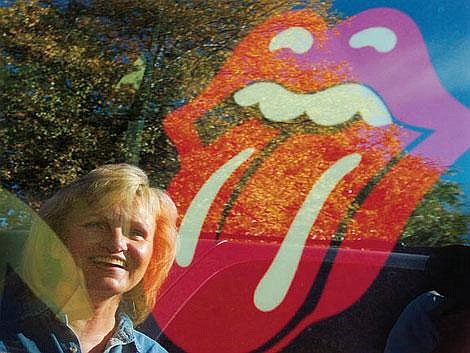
(124, 333)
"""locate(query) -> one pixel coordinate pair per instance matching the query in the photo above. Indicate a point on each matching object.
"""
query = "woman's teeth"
(107, 260)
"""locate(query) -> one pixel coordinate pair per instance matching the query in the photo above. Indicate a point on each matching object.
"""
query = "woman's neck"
(94, 331)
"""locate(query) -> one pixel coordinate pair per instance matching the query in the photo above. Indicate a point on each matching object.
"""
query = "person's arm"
(414, 331)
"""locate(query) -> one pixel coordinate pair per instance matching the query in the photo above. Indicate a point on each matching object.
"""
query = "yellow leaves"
(94, 63)
(69, 64)
(74, 54)
(76, 50)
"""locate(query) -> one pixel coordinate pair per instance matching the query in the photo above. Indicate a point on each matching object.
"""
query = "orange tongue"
(274, 193)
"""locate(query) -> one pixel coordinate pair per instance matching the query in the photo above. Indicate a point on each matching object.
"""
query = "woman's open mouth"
(109, 261)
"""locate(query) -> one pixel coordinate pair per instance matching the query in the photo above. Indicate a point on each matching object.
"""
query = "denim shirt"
(45, 334)
(27, 325)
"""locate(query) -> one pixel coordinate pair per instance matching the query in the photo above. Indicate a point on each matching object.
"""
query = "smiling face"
(112, 248)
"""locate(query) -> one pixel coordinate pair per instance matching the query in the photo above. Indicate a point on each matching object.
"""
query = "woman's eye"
(135, 233)
(95, 225)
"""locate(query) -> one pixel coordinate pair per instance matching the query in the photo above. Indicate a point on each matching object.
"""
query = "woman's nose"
(117, 242)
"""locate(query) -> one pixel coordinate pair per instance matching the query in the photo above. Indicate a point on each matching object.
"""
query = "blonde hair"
(121, 184)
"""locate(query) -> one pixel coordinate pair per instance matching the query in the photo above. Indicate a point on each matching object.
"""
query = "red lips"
(280, 194)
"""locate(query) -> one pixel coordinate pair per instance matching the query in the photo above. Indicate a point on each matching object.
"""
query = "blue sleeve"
(414, 331)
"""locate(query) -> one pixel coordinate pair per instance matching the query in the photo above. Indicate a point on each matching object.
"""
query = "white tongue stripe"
(332, 106)
(193, 220)
(275, 283)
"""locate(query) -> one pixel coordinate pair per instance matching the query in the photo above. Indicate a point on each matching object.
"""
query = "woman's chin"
(107, 287)
(104, 281)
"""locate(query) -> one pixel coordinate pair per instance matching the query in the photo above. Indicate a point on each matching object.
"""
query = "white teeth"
(297, 39)
(382, 39)
(333, 106)
(110, 261)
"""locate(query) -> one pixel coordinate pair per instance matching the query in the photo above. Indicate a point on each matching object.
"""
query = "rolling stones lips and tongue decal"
(353, 129)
